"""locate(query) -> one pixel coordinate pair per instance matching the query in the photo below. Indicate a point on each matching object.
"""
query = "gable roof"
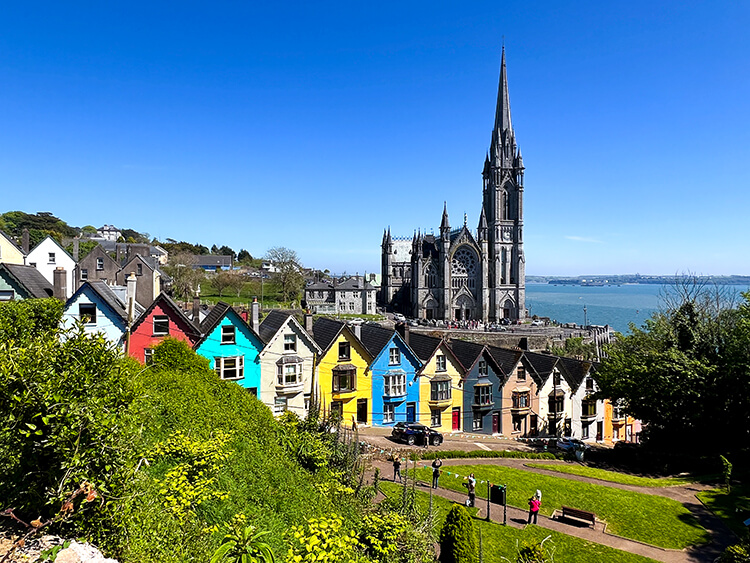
(7, 237)
(57, 244)
(545, 364)
(505, 358)
(425, 347)
(108, 297)
(468, 353)
(271, 325)
(170, 306)
(375, 338)
(326, 331)
(577, 369)
(98, 252)
(355, 282)
(151, 262)
(29, 278)
(212, 320)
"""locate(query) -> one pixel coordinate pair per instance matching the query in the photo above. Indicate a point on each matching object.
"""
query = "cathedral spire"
(444, 223)
(503, 137)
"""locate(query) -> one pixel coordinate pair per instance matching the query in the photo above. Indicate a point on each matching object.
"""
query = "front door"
(411, 412)
(495, 423)
(534, 425)
(361, 411)
(456, 418)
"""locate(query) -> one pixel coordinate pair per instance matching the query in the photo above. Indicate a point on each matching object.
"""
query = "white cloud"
(582, 239)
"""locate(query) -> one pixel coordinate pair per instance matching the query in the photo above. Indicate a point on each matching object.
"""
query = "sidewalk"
(516, 517)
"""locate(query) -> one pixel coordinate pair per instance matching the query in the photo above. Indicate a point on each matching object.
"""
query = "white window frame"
(84, 273)
(394, 384)
(51, 258)
(221, 367)
(441, 363)
(99, 264)
(389, 412)
(280, 405)
(394, 357)
(436, 417)
(477, 421)
(483, 367)
(483, 395)
(290, 343)
(228, 334)
(440, 391)
(289, 374)
(148, 356)
(161, 319)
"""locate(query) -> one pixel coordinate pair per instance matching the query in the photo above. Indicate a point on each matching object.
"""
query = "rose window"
(464, 263)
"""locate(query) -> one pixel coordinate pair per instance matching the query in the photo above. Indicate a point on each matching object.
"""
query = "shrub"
(458, 454)
(457, 541)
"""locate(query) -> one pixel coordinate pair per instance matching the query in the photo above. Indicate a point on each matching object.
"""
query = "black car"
(415, 433)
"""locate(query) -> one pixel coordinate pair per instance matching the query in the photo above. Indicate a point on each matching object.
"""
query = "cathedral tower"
(503, 206)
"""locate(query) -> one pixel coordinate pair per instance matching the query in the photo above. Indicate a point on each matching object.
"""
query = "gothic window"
(464, 268)
(430, 278)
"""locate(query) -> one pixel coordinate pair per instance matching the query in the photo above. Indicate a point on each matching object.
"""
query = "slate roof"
(214, 317)
(109, 297)
(221, 260)
(355, 282)
(325, 331)
(375, 338)
(271, 325)
(30, 279)
(424, 346)
(468, 353)
(505, 358)
(167, 303)
(577, 369)
(544, 364)
(319, 286)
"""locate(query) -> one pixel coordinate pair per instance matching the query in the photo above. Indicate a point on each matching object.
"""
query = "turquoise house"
(395, 384)
(231, 346)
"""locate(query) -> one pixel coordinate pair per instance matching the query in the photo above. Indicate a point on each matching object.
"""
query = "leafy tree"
(88, 230)
(289, 276)
(576, 348)
(686, 373)
(29, 319)
(226, 251)
(244, 256)
(135, 236)
(186, 279)
(84, 248)
(457, 540)
(222, 281)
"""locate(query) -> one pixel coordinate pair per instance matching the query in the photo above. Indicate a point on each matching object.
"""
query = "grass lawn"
(648, 518)
(733, 508)
(500, 541)
(612, 476)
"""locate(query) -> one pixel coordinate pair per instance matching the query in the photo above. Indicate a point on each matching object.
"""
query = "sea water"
(615, 305)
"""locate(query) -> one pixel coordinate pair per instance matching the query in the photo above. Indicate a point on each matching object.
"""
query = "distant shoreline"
(603, 281)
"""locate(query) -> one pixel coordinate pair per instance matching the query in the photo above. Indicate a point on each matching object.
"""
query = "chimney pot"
(60, 284)
(255, 315)
(25, 240)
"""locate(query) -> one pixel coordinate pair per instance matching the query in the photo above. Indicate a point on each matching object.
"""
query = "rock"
(81, 553)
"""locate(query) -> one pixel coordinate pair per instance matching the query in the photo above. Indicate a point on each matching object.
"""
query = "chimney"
(25, 240)
(308, 322)
(403, 330)
(75, 249)
(255, 315)
(120, 252)
(197, 311)
(60, 284)
(358, 331)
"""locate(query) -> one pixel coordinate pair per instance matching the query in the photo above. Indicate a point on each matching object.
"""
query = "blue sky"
(316, 125)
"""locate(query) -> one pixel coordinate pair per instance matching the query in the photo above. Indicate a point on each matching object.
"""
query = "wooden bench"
(578, 514)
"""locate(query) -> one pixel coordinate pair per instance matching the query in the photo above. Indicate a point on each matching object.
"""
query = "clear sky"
(314, 125)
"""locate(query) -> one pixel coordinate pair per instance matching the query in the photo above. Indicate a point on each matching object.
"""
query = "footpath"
(721, 536)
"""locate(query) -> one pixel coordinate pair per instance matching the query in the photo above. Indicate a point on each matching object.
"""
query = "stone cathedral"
(460, 275)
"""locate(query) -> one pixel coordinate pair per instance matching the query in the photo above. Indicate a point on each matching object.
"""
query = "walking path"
(721, 536)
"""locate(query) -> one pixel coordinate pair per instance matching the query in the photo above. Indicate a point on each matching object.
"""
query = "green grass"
(500, 541)
(612, 476)
(648, 518)
(733, 507)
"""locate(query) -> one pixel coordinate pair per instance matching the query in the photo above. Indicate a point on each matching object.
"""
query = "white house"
(555, 397)
(587, 414)
(47, 256)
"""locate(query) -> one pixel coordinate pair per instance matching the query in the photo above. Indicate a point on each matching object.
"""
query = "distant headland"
(638, 279)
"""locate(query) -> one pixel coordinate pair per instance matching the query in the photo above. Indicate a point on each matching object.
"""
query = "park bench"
(578, 514)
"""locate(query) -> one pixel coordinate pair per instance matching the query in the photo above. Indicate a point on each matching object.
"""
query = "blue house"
(395, 386)
(483, 386)
(231, 346)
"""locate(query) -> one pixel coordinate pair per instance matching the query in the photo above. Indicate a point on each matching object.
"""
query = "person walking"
(534, 504)
(472, 486)
(436, 465)
(396, 469)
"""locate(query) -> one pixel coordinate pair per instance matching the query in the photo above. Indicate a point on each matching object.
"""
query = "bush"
(457, 540)
(458, 454)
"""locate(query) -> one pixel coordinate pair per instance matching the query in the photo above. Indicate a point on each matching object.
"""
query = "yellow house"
(9, 252)
(343, 379)
(441, 392)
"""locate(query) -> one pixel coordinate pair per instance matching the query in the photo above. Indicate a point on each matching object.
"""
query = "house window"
(344, 379)
(307, 401)
(440, 391)
(588, 408)
(253, 391)
(148, 356)
(345, 352)
(7, 294)
(288, 374)
(435, 416)
(477, 422)
(585, 429)
(228, 334)
(100, 263)
(84, 274)
(556, 404)
(389, 412)
(520, 399)
(87, 313)
(232, 367)
(482, 368)
(521, 373)
(290, 343)
(337, 408)
(51, 258)
(556, 381)
(440, 364)
(279, 405)
(618, 412)
(518, 423)
(589, 384)
(139, 269)
(395, 385)
(483, 395)
(161, 325)
(394, 356)
(351, 306)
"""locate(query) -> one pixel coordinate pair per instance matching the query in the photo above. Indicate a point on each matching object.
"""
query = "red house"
(162, 319)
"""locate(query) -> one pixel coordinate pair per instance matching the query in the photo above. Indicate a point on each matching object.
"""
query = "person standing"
(436, 465)
(472, 486)
(396, 469)
(534, 504)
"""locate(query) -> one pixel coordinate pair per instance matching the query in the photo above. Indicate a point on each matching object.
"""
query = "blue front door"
(411, 412)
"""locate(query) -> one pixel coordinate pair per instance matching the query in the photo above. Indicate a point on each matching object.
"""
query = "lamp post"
(585, 318)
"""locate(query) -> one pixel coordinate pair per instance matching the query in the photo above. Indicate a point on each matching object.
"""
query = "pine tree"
(457, 541)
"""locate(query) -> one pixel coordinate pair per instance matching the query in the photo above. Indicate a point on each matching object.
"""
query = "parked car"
(399, 317)
(571, 444)
(415, 433)
(537, 323)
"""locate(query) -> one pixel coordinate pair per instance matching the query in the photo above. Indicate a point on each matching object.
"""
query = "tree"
(186, 278)
(226, 251)
(576, 347)
(457, 541)
(244, 256)
(288, 276)
(226, 280)
(686, 373)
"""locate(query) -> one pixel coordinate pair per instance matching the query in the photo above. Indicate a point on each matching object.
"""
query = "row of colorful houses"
(370, 375)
